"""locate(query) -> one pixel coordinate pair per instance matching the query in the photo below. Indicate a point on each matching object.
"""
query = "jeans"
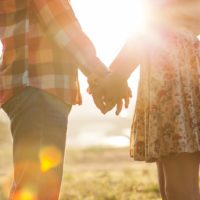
(38, 127)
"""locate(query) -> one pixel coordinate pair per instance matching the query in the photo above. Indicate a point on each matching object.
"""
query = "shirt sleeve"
(62, 26)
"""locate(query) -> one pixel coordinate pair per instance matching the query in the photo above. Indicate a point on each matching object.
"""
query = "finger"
(98, 98)
(130, 92)
(89, 91)
(109, 105)
(126, 101)
(119, 107)
(99, 104)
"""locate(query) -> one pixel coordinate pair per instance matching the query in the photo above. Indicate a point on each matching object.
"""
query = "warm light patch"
(108, 23)
(135, 14)
(25, 194)
(50, 157)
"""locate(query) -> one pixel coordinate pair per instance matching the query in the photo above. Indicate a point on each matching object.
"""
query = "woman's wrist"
(120, 75)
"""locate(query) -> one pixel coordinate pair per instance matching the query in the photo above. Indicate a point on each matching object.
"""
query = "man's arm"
(60, 23)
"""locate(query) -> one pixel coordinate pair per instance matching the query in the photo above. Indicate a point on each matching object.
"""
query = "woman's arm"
(128, 58)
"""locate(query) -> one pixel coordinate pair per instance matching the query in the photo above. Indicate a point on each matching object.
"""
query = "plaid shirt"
(43, 45)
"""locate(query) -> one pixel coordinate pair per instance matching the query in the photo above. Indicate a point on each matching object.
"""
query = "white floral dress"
(167, 113)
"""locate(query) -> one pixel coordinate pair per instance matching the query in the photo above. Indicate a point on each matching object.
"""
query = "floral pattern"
(167, 113)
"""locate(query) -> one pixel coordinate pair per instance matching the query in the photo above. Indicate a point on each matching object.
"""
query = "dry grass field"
(92, 174)
(107, 174)
(97, 174)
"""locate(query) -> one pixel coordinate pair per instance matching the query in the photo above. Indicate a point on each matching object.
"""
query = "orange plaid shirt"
(43, 46)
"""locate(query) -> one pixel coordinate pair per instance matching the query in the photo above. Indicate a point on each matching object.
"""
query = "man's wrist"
(95, 78)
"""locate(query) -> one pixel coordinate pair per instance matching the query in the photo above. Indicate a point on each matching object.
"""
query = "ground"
(108, 174)
(98, 174)
(92, 174)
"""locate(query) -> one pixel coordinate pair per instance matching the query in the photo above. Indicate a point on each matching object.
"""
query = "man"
(43, 45)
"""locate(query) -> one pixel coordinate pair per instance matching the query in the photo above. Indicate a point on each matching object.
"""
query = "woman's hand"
(126, 100)
(109, 92)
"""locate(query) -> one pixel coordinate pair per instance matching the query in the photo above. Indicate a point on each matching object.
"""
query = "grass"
(107, 174)
(93, 174)
(110, 185)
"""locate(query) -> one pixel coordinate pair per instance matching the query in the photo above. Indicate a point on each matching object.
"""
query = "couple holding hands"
(43, 44)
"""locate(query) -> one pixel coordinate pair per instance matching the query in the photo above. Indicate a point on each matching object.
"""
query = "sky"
(108, 23)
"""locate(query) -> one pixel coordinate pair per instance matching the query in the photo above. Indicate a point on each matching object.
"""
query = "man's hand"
(98, 98)
(123, 102)
(97, 92)
(115, 90)
(109, 92)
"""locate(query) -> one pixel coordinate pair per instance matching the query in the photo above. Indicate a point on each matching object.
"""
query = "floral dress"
(167, 113)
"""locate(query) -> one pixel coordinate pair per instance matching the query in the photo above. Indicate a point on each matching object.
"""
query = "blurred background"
(98, 166)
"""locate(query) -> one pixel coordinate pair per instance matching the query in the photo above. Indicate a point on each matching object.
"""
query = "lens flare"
(25, 194)
(50, 157)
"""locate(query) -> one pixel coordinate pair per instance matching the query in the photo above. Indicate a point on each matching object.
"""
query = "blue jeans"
(38, 127)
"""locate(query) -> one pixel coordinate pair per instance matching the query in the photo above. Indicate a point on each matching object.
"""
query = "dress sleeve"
(61, 24)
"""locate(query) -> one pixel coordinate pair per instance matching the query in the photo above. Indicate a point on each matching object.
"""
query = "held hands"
(109, 91)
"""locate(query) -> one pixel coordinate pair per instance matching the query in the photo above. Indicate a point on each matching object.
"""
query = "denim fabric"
(38, 127)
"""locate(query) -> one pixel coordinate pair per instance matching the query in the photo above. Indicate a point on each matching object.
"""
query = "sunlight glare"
(135, 13)
(25, 194)
(50, 157)
(108, 23)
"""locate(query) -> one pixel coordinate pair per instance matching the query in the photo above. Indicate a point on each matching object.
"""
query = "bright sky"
(108, 23)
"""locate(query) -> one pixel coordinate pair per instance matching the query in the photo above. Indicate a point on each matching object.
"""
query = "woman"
(166, 124)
